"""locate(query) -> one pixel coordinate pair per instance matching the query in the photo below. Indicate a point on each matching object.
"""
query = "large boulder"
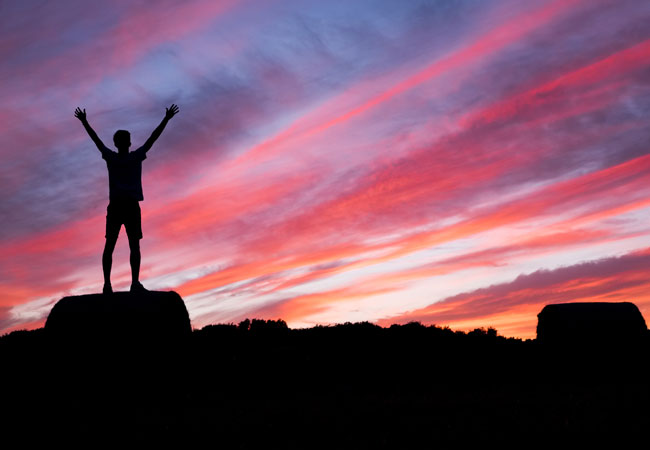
(586, 323)
(120, 317)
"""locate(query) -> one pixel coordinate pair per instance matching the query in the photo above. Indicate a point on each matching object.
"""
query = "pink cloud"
(482, 46)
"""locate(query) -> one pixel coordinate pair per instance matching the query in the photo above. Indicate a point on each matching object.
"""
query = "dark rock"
(121, 316)
(586, 323)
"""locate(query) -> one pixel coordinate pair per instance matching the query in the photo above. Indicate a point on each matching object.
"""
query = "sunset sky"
(459, 163)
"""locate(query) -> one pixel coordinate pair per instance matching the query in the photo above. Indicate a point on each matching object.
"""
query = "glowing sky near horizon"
(460, 163)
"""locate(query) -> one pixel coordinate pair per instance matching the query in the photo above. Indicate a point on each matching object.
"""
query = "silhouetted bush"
(269, 327)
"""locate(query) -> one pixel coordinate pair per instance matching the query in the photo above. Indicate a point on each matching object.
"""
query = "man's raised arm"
(81, 115)
(169, 113)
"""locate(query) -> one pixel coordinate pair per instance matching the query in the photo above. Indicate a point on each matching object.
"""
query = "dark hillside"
(351, 385)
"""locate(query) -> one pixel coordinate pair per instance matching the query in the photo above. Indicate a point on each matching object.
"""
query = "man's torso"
(124, 174)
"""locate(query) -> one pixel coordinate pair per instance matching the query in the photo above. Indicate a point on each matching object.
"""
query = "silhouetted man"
(125, 193)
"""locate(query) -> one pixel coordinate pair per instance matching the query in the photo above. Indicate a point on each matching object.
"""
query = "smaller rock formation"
(587, 323)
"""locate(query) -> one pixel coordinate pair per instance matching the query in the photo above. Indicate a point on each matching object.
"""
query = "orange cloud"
(514, 305)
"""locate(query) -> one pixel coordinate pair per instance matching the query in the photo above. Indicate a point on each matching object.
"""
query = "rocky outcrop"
(121, 316)
(586, 323)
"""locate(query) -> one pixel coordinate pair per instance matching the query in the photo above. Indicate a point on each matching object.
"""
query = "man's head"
(122, 140)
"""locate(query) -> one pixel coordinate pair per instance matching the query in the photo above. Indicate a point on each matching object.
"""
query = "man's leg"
(107, 261)
(134, 231)
(134, 246)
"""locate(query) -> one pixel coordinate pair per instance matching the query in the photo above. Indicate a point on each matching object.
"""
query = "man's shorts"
(125, 212)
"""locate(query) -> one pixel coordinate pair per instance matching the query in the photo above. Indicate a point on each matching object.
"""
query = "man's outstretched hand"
(79, 114)
(170, 112)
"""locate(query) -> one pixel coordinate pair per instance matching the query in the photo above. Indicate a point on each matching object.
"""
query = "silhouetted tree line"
(279, 329)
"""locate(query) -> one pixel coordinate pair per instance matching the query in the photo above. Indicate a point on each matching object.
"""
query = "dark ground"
(348, 386)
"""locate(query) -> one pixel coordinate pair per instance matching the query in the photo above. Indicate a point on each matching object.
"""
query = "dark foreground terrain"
(349, 386)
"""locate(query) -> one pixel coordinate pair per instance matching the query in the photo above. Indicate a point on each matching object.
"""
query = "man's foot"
(108, 289)
(137, 287)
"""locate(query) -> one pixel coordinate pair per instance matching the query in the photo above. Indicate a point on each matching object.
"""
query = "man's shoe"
(137, 287)
(108, 289)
